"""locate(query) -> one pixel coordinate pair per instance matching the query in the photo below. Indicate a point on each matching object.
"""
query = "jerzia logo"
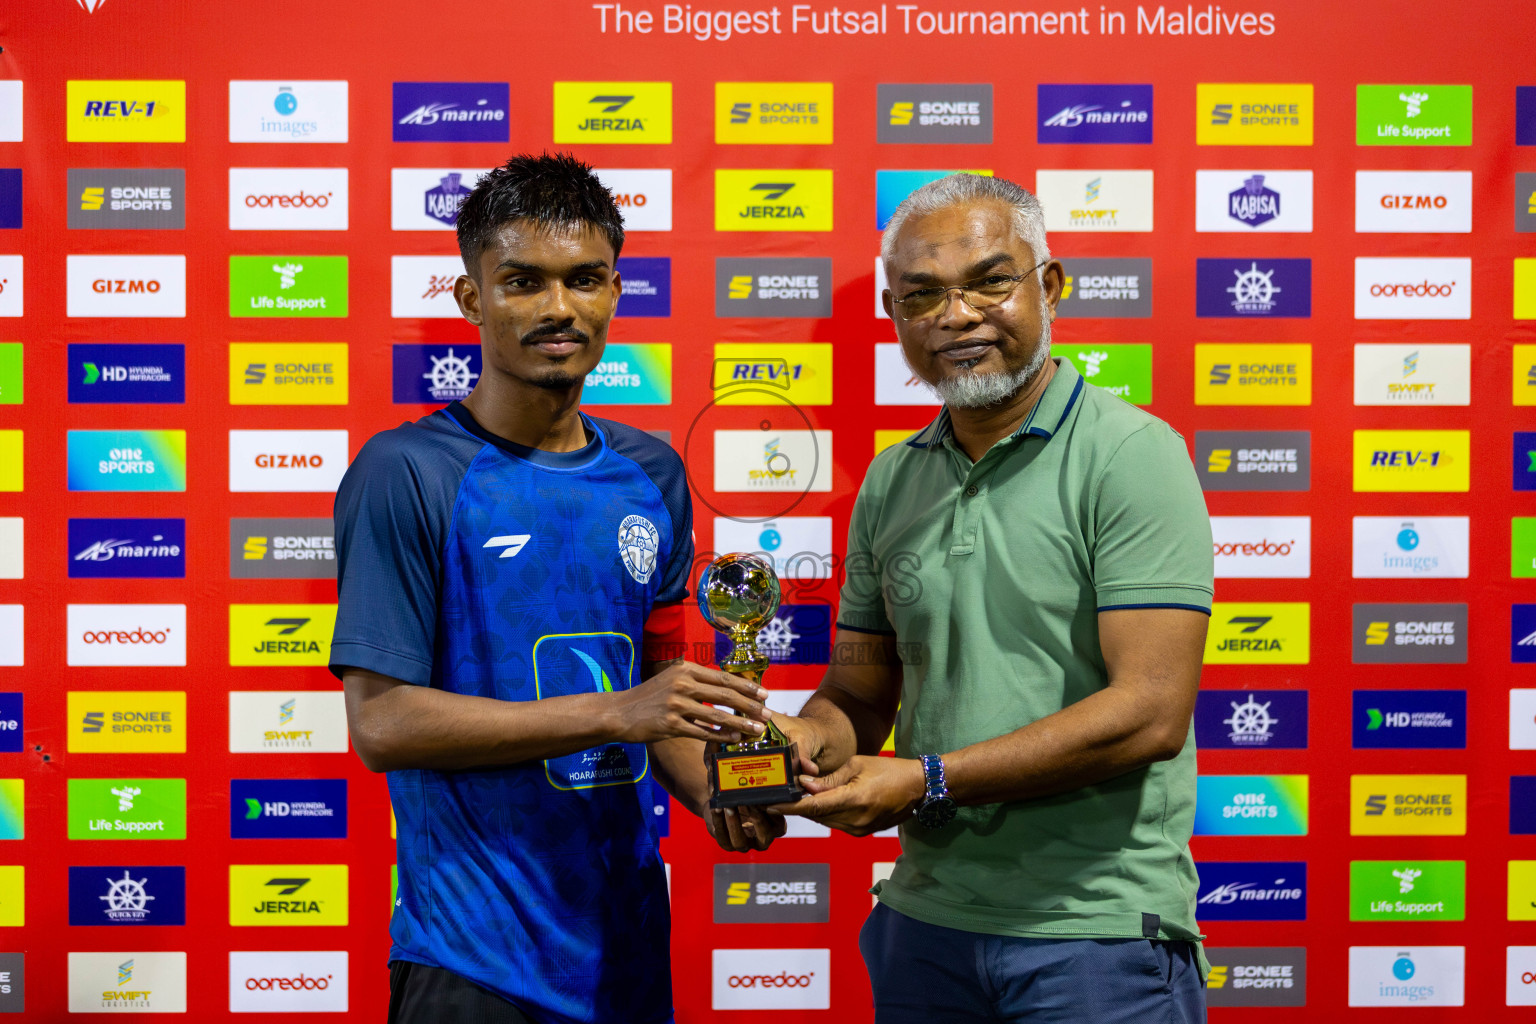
(613, 112)
(1274, 634)
(288, 894)
(789, 200)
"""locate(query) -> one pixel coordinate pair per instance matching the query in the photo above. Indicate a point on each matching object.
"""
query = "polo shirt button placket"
(970, 492)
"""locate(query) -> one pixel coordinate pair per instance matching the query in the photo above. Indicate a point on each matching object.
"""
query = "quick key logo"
(434, 374)
(451, 112)
(1094, 114)
(288, 809)
(119, 895)
(1253, 287)
(1252, 891)
(127, 374)
(127, 548)
(1410, 719)
(799, 634)
(1251, 720)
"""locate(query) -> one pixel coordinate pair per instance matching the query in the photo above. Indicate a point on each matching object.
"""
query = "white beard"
(967, 390)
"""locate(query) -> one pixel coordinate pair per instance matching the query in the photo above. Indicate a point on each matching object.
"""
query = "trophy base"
(753, 776)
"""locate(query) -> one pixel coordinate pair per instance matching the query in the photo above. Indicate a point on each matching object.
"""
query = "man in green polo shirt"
(1029, 580)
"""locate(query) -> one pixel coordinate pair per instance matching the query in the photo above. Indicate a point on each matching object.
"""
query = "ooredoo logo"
(1262, 547)
(127, 286)
(288, 982)
(127, 634)
(1413, 289)
(771, 979)
(288, 198)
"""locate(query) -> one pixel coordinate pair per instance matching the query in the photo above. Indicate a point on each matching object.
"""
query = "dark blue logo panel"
(12, 727)
(1410, 719)
(10, 197)
(288, 809)
(647, 286)
(120, 894)
(1253, 287)
(800, 634)
(1522, 805)
(1095, 113)
(1525, 115)
(451, 112)
(434, 374)
(1252, 891)
(127, 374)
(1525, 460)
(1522, 633)
(127, 549)
(1251, 719)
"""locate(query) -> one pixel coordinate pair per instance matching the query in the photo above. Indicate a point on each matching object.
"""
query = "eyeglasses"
(978, 294)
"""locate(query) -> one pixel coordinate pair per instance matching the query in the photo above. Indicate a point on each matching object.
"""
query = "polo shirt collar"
(1044, 420)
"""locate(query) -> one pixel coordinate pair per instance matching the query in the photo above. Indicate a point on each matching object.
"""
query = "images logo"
(773, 200)
(746, 371)
(1253, 201)
(1413, 115)
(286, 460)
(288, 286)
(1257, 976)
(1410, 633)
(127, 808)
(891, 187)
(772, 893)
(434, 374)
(1412, 460)
(1252, 891)
(1251, 805)
(1095, 200)
(773, 287)
(287, 111)
(1253, 288)
(1122, 370)
(288, 809)
(771, 979)
(612, 112)
(1106, 288)
(288, 199)
(1397, 374)
(1394, 547)
(281, 634)
(278, 721)
(125, 286)
(127, 549)
(799, 547)
(127, 895)
(1405, 805)
(291, 549)
(1410, 719)
(287, 894)
(1094, 113)
(765, 113)
(1246, 374)
(1413, 289)
(1392, 890)
(127, 721)
(928, 113)
(1413, 201)
(126, 198)
(287, 373)
(1397, 976)
(124, 111)
(1253, 114)
(284, 982)
(451, 112)
(1259, 634)
(127, 374)
(1251, 720)
(1254, 460)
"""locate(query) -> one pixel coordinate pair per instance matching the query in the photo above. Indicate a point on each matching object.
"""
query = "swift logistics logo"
(281, 634)
(612, 112)
(125, 111)
(288, 198)
(1253, 201)
(428, 198)
(1413, 289)
(773, 287)
(1398, 890)
(800, 371)
(1252, 891)
(1413, 115)
(1410, 719)
(1095, 200)
(451, 112)
(1275, 633)
(287, 721)
(1413, 201)
(1257, 976)
(1098, 287)
(773, 200)
(1253, 287)
(127, 548)
(1253, 114)
(286, 460)
(1407, 976)
(929, 113)
(1247, 374)
(1399, 374)
(287, 894)
(127, 895)
(772, 893)
(127, 982)
(774, 460)
(125, 197)
(1412, 460)
(647, 284)
(1407, 805)
(134, 635)
(288, 808)
(1123, 370)
(127, 808)
(1251, 805)
(1262, 547)
(127, 721)
(1254, 460)
(287, 373)
(434, 374)
(1251, 720)
(287, 111)
(891, 187)
(127, 374)
(289, 549)
(1416, 547)
(288, 286)
(1390, 634)
(125, 286)
(1094, 114)
(634, 374)
(769, 113)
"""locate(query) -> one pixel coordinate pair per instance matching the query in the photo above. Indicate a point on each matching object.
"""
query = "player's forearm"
(843, 725)
(679, 767)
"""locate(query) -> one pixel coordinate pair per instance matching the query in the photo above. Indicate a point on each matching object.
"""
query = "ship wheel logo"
(126, 899)
(450, 377)
(1250, 722)
(1254, 290)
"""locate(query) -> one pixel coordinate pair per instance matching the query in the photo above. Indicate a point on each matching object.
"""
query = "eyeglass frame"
(944, 300)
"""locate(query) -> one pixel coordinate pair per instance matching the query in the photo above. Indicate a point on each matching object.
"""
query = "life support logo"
(639, 543)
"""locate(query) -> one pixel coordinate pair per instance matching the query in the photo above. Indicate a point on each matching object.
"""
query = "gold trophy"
(739, 594)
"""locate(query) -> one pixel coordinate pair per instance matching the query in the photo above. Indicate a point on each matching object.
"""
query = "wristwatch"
(938, 807)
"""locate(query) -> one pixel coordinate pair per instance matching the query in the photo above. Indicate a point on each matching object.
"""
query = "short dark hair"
(552, 190)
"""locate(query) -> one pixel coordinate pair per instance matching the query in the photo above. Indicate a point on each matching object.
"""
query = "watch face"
(936, 812)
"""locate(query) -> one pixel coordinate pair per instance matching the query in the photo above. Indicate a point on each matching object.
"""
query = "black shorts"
(419, 994)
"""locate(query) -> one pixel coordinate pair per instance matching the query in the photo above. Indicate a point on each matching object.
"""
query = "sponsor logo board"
(1522, 719)
(1525, 201)
(127, 895)
(1412, 460)
(1411, 547)
(1520, 976)
(126, 634)
(1251, 805)
(1106, 288)
(1522, 805)
(1410, 719)
(1407, 805)
(1122, 370)
(1398, 374)
(12, 548)
(799, 634)
(124, 111)
(799, 547)
(131, 982)
(632, 112)
(775, 460)
(1413, 201)
(1274, 633)
(288, 982)
(287, 286)
(288, 198)
(287, 111)
(127, 460)
(127, 374)
(1390, 634)
(127, 197)
(282, 721)
(288, 549)
(1254, 460)
(1407, 976)
(644, 196)
(12, 728)
(768, 113)
(891, 187)
(634, 374)
(1095, 200)
(434, 374)
(288, 808)
(123, 286)
(1250, 374)
(773, 287)
(127, 808)
(1522, 633)
(1094, 114)
(422, 286)
(1253, 114)
(933, 113)
(771, 979)
(1522, 890)
(772, 893)
(11, 111)
(1253, 287)
(1262, 547)
(286, 460)
(11, 380)
(10, 285)
(1396, 890)
(1250, 720)
(1249, 201)
(287, 373)
(895, 383)
(773, 200)
(428, 199)
(1394, 288)
(281, 634)
(647, 286)
(1413, 115)
(1252, 891)
(451, 112)
(292, 895)
(753, 373)
(126, 721)
(1257, 976)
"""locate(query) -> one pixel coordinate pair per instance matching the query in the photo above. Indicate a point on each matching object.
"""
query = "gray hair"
(1028, 215)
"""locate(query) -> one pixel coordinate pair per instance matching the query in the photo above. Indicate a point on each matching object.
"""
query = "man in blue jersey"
(511, 576)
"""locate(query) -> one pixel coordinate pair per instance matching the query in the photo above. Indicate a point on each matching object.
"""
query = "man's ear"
(467, 294)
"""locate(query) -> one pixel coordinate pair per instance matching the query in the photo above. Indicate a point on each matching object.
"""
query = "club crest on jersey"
(638, 545)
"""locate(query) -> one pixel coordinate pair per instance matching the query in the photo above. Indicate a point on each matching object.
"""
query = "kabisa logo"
(613, 112)
(288, 198)
(451, 112)
(1412, 460)
(128, 721)
(1410, 633)
(1391, 547)
(1251, 719)
(1413, 115)
(127, 374)
(287, 111)
(434, 374)
(279, 721)
(125, 111)
(647, 282)
(1254, 460)
(638, 374)
(1277, 633)
(1253, 201)
(1252, 891)
(288, 286)
(287, 373)
(1413, 289)
(773, 287)
(1394, 890)
(1245, 374)
(287, 894)
(773, 200)
(1253, 204)
(1251, 287)
(1400, 805)
(1257, 975)
(1253, 114)
(127, 198)
(280, 634)
(766, 113)
(799, 634)
(127, 809)
(1096, 287)
(1410, 719)
(1096, 200)
(929, 113)
(288, 809)
(1395, 976)
(1251, 805)
(428, 198)
(1094, 113)
(127, 895)
(125, 286)
(785, 893)
(127, 549)
(639, 546)
(442, 201)
(295, 549)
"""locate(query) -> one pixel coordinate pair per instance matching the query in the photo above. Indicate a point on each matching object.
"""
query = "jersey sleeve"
(1152, 535)
(391, 524)
(861, 602)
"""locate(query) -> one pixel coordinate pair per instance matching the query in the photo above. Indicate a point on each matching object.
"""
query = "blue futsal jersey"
(478, 566)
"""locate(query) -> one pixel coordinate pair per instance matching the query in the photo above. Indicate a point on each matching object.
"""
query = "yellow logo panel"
(1272, 633)
(613, 112)
(1253, 114)
(281, 634)
(127, 721)
(287, 894)
(1525, 289)
(1522, 890)
(10, 460)
(287, 373)
(886, 438)
(1525, 374)
(1229, 374)
(118, 111)
(752, 373)
(13, 904)
(1413, 460)
(766, 113)
(1407, 805)
(773, 200)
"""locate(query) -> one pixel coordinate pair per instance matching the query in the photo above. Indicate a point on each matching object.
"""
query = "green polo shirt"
(991, 575)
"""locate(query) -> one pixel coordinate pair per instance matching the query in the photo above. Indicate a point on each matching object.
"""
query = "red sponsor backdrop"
(1333, 46)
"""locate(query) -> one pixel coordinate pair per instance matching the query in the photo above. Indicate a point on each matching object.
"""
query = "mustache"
(543, 331)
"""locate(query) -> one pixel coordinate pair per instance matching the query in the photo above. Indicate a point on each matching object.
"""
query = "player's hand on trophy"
(690, 700)
(807, 739)
(740, 829)
(863, 796)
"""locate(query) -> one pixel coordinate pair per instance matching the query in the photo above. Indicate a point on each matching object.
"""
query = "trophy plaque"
(739, 595)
